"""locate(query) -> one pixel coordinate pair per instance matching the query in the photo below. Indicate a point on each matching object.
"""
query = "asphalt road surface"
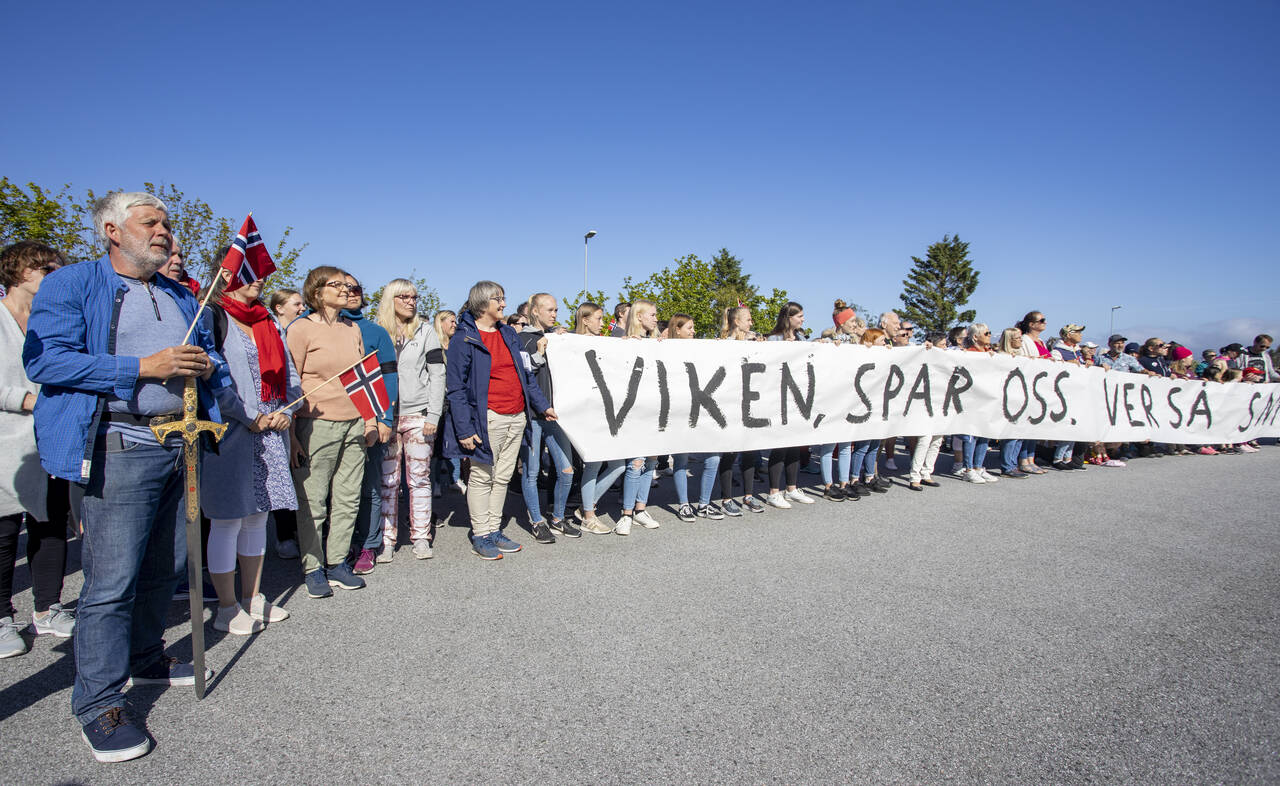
(1114, 625)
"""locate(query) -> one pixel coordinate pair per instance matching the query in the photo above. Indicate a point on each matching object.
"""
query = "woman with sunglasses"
(329, 436)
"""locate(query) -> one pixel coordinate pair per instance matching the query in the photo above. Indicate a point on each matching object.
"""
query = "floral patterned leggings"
(409, 444)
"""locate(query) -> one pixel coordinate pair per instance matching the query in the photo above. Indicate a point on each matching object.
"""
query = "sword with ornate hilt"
(189, 429)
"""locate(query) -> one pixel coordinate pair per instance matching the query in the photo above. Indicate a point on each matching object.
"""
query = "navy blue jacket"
(467, 388)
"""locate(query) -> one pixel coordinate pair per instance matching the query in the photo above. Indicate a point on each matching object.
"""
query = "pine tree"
(938, 286)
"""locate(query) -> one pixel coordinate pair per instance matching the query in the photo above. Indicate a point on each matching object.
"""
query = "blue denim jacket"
(70, 351)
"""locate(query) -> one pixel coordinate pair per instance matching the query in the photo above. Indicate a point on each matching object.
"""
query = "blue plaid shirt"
(70, 352)
(1123, 363)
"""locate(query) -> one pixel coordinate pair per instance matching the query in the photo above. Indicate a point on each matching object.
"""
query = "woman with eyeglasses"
(329, 436)
(420, 367)
(978, 339)
(488, 389)
(27, 493)
(589, 321)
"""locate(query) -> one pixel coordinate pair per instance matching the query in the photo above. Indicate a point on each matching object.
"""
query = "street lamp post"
(585, 240)
(1114, 309)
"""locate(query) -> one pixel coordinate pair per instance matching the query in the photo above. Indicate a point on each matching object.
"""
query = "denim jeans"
(1062, 451)
(1010, 452)
(132, 554)
(558, 446)
(1027, 450)
(842, 452)
(367, 533)
(864, 459)
(594, 485)
(637, 482)
(710, 468)
(975, 451)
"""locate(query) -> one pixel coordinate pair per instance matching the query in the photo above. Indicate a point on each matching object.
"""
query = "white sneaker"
(974, 476)
(987, 476)
(387, 554)
(234, 620)
(778, 501)
(623, 527)
(422, 548)
(643, 518)
(890, 464)
(262, 611)
(796, 495)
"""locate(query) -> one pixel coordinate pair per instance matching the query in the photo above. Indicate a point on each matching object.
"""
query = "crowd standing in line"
(104, 358)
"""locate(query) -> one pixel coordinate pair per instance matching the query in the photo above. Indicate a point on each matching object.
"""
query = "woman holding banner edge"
(787, 460)
(589, 321)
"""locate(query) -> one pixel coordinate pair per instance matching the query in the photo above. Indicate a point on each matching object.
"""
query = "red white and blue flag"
(366, 388)
(248, 259)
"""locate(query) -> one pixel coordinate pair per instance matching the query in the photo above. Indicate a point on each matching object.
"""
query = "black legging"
(46, 551)
(748, 461)
(789, 458)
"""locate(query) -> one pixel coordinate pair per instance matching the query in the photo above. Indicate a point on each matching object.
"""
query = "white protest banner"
(621, 398)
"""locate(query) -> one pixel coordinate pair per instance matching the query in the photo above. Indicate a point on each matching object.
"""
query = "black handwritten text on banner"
(620, 398)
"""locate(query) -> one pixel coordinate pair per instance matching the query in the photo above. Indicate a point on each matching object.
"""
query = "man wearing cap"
(1068, 349)
(1088, 354)
(1259, 356)
(1117, 357)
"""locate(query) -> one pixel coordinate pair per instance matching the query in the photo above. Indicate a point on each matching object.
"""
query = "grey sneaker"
(422, 549)
(59, 621)
(387, 554)
(11, 642)
(731, 508)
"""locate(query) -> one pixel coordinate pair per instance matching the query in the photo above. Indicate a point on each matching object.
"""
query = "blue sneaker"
(505, 545)
(484, 547)
(341, 575)
(317, 585)
(168, 671)
(112, 736)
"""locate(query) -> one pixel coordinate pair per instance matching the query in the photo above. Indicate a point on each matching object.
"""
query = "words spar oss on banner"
(620, 398)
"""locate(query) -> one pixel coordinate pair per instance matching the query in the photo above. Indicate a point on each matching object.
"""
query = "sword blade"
(195, 559)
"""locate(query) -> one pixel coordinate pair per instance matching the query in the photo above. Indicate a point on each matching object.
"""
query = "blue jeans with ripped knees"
(843, 452)
(710, 468)
(594, 483)
(864, 459)
(637, 482)
(557, 443)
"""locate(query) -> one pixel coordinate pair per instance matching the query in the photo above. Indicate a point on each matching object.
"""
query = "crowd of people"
(104, 358)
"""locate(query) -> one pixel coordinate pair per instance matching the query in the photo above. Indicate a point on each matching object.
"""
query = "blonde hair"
(387, 316)
(585, 312)
(1006, 341)
(634, 328)
(438, 321)
(727, 330)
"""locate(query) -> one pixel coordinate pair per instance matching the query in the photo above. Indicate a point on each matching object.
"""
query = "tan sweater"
(320, 351)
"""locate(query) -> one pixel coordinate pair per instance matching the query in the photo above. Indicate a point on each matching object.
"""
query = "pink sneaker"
(364, 564)
(1206, 450)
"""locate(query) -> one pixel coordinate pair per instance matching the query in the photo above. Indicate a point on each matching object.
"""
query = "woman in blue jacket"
(488, 389)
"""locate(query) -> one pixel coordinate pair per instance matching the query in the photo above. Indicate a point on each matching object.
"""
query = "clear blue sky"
(1093, 154)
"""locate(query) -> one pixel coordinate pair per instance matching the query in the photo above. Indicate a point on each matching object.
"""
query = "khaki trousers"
(487, 486)
(328, 487)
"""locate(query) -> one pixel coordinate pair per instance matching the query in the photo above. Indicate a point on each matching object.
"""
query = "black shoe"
(542, 533)
(881, 485)
(113, 736)
(931, 483)
(857, 490)
(834, 493)
(566, 527)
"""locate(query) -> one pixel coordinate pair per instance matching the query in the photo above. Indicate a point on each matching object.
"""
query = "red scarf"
(267, 337)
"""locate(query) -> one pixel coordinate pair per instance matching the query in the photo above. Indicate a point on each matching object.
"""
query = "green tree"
(53, 218)
(938, 285)
(688, 288)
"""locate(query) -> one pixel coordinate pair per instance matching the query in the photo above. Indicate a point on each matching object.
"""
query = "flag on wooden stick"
(248, 259)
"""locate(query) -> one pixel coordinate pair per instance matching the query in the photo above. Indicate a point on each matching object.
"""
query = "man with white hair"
(105, 342)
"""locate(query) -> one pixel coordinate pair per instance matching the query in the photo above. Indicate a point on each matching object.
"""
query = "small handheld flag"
(366, 388)
(248, 259)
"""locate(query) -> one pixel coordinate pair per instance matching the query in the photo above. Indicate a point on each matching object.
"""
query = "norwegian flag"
(247, 260)
(366, 388)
